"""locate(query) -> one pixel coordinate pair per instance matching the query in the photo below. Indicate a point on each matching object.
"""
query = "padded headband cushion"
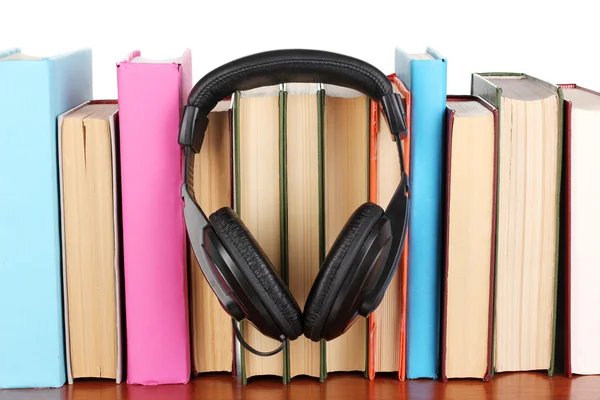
(282, 66)
(329, 279)
(246, 252)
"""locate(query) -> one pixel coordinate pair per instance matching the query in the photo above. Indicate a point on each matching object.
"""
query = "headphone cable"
(252, 350)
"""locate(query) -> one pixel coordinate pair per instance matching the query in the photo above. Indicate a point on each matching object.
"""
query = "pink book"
(151, 95)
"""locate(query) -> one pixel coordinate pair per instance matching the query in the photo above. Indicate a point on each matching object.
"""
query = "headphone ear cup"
(251, 260)
(324, 291)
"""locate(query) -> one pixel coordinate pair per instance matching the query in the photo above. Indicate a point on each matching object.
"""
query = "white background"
(553, 40)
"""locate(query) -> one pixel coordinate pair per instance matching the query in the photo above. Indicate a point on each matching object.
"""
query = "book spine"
(373, 130)
(240, 358)
(450, 113)
(322, 252)
(34, 94)
(154, 242)
(490, 355)
(283, 210)
(428, 98)
(564, 290)
(559, 223)
(404, 257)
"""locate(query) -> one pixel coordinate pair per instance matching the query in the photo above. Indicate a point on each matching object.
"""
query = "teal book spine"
(33, 92)
(425, 77)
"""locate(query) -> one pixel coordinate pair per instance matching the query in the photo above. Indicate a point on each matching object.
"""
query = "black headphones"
(363, 258)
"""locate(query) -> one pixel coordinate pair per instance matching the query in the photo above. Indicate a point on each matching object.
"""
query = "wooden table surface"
(517, 386)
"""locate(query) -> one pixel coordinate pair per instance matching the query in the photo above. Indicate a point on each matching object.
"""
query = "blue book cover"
(33, 92)
(424, 75)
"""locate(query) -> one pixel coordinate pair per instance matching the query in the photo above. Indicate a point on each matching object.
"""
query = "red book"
(578, 322)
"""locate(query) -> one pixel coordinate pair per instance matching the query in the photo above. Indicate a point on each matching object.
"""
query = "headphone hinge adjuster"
(193, 127)
(394, 113)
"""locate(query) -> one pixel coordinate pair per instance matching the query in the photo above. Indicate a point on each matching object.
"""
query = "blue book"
(33, 92)
(424, 75)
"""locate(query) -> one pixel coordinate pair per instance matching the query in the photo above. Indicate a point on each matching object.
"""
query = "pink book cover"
(151, 96)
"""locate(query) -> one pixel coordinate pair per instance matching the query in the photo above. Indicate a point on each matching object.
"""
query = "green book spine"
(481, 87)
(322, 252)
(283, 210)
(240, 357)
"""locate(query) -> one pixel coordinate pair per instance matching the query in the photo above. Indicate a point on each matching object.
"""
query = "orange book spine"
(403, 266)
(373, 129)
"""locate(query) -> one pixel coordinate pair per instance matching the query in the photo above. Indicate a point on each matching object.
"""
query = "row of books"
(97, 279)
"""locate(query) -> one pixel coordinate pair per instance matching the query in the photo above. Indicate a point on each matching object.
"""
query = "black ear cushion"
(316, 310)
(235, 235)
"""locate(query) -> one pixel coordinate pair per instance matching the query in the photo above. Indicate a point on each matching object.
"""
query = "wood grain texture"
(346, 386)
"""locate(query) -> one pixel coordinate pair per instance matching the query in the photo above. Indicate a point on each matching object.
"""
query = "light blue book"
(33, 92)
(424, 75)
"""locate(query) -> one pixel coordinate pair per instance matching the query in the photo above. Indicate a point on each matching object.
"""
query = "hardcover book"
(387, 325)
(91, 240)
(424, 75)
(578, 349)
(530, 114)
(34, 91)
(151, 98)
(470, 241)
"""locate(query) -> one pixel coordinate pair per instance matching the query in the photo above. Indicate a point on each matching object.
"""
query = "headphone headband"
(376, 256)
(283, 66)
